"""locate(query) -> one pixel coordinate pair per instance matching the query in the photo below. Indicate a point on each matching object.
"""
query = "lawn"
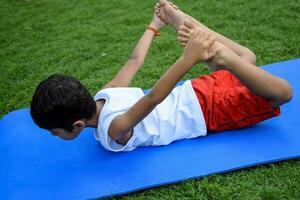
(92, 39)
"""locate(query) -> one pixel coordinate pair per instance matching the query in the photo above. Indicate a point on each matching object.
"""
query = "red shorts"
(227, 104)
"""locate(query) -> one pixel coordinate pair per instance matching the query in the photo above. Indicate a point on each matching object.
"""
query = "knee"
(284, 95)
(251, 56)
(287, 92)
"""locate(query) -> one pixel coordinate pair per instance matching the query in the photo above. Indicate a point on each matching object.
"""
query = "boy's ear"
(79, 124)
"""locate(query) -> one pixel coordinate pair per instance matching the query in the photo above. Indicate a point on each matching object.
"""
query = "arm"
(125, 75)
(196, 50)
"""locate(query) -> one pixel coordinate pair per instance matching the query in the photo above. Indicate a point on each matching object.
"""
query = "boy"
(124, 118)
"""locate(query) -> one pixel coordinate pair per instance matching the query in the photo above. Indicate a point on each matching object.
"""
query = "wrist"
(191, 59)
(155, 26)
(153, 30)
(187, 61)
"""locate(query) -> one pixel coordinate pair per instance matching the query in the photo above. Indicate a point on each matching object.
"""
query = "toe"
(157, 6)
(157, 9)
(163, 2)
(173, 5)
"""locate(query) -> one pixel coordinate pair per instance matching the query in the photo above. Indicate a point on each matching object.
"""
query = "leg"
(240, 50)
(225, 107)
(276, 90)
(176, 18)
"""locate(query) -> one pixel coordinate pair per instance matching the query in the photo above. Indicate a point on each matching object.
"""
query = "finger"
(197, 37)
(207, 34)
(204, 34)
(213, 50)
(212, 54)
(189, 24)
(206, 39)
(210, 41)
(194, 34)
(214, 47)
(201, 35)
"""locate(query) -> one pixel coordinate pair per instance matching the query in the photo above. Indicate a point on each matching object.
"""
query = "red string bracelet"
(156, 32)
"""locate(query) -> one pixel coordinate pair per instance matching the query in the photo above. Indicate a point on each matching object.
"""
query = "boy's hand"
(157, 23)
(198, 48)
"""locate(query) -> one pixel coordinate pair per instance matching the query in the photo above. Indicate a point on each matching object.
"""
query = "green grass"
(92, 39)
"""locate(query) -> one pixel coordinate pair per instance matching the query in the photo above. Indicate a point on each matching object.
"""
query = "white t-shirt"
(179, 116)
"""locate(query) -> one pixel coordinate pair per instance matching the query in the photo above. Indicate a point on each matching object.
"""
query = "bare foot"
(223, 54)
(169, 13)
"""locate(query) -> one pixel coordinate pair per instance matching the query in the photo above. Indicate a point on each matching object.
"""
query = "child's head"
(61, 104)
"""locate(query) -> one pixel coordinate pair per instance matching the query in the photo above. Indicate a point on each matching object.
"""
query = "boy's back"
(179, 116)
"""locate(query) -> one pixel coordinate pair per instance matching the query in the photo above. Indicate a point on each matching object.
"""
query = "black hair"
(59, 101)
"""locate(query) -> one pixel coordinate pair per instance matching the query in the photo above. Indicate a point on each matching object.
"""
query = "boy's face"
(64, 134)
(78, 126)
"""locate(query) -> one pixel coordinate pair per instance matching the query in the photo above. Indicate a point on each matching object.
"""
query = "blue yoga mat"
(36, 165)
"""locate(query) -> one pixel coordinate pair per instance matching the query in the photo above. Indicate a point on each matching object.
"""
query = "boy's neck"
(93, 123)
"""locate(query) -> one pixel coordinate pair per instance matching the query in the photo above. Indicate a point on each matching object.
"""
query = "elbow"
(252, 57)
(134, 59)
(153, 99)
